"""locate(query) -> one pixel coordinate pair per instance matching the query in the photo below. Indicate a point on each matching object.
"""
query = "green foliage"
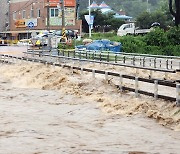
(172, 50)
(156, 37)
(102, 22)
(173, 36)
(67, 45)
(146, 19)
(157, 42)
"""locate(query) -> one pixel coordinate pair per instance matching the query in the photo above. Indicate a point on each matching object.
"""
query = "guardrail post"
(134, 60)
(106, 76)
(124, 59)
(154, 62)
(7, 58)
(93, 73)
(100, 56)
(167, 64)
(115, 60)
(171, 64)
(150, 62)
(71, 69)
(108, 57)
(74, 54)
(21, 59)
(177, 94)
(140, 61)
(136, 87)
(137, 71)
(17, 59)
(80, 55)
(144, 61)
(1, 60)
(155, 89)
(4, 59)
(86, 55)
(165, 75)
(93, 55)
(81, 70)
(160, 63)
(120, 82)
(54, 65)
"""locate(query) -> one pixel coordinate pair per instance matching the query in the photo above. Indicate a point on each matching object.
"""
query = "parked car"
(24, 42)
(3, 41)
(69, 33)
(40, 39)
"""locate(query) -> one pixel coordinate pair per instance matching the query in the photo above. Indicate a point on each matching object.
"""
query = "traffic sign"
(30, 24)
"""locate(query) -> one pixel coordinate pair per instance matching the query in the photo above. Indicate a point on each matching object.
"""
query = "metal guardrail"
(103, 62)
(143, 60)
(156, 82)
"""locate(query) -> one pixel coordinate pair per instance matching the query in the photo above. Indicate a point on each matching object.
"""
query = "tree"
(144, 20)
(177, 8)
(102, 22)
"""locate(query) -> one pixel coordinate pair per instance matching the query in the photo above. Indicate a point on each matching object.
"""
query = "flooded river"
(52, 110)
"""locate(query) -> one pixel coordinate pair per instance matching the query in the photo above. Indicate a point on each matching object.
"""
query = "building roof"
(118, 16)
(94, 5)
(106, 10)
(103, 5)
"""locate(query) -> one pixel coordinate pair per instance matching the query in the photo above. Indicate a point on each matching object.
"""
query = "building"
(27, 16)
(4, 16)
(105, 9)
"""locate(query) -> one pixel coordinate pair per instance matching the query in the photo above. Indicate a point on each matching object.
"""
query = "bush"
(132, 44)
(156, 37)
(173, 36)
(156, 42)
(172, 50)
(67, 45)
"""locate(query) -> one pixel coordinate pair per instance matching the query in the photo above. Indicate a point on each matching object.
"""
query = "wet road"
(13, 50)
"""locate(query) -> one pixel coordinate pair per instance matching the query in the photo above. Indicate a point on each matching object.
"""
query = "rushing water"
(44, 110)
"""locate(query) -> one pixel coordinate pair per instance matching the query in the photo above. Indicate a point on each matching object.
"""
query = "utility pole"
(89, 18)
(48, 28)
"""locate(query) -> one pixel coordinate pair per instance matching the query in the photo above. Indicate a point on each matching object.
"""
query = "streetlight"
(147, 7)
(89, 18)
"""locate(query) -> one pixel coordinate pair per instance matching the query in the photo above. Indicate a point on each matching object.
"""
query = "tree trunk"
(177, 13)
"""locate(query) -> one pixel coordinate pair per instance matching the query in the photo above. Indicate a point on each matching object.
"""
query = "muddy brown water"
(44, 110)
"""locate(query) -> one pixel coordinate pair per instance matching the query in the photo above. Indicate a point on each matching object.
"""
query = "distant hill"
(131, 7)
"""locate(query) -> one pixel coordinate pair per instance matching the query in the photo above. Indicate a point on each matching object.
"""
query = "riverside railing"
(157, 83)
(144, 60)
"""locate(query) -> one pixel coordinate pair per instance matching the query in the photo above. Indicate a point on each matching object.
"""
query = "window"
(14, 15)
(23, 14)
(32, 11)
(54, 12)
(38, 13)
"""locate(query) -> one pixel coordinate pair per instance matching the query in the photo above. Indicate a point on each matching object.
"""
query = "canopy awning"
(22, 31)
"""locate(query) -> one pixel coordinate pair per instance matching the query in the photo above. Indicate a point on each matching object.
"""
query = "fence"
(155, 82)
(143, 60)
